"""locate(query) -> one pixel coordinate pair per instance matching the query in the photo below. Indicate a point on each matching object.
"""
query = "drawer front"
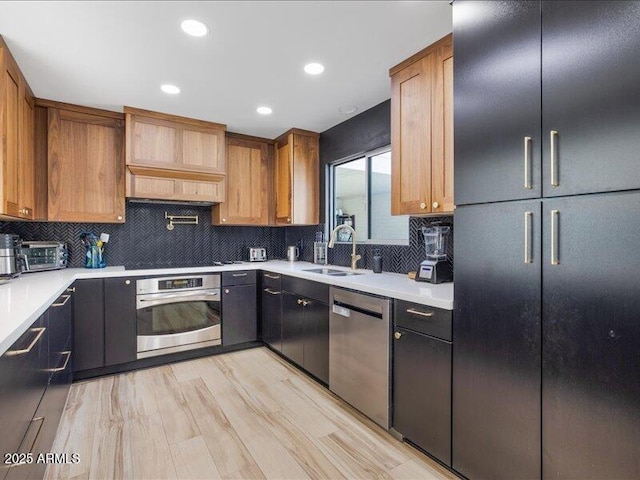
(306, 288)
(271, 280)
(240, 277)
(23, 379)
(423, 319)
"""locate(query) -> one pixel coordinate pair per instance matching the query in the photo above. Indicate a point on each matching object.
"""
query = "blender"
(436, 268)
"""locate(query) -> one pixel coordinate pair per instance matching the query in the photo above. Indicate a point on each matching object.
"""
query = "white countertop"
(24, 299)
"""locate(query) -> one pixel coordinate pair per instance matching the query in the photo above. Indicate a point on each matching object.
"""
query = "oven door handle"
(145, 301)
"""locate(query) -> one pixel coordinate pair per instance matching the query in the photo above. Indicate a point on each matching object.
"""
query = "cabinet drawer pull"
(63, 303)
(238, 274)
(63, 367)
(40, 331)
(273, 277)
(397, 335)
(553, 139)
(305, 303)
(527, 162)
(300, 301)
(554, 237)
(527, 237)
(272, 292)
(418, 312)
(71, 290)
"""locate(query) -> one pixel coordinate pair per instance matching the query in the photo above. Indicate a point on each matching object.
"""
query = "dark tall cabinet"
(590, 96)
(569, 66)
(591, 336)
(545, 364)
(496, 101)
(497, 338)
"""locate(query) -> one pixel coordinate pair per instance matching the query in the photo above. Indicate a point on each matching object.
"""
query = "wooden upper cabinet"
(249, 182)
(422, 132)
(27, 163)
(174, 158)
(170, 142)
(17, 129)
(86, 165)
(296, 178)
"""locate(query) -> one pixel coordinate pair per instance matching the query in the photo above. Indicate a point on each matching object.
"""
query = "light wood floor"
(240, 415)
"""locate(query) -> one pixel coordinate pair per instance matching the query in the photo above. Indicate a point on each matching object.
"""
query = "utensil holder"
(94, 257)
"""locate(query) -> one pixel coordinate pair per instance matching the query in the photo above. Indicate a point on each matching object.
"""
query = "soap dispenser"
(377, 262)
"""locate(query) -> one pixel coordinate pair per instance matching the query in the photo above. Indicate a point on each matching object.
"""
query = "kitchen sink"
(331, 271)
(343, 274)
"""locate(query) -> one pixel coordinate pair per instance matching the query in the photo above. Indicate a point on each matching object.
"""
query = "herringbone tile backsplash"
(144, 241)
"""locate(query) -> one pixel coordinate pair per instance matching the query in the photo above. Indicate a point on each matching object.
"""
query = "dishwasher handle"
(345, 309)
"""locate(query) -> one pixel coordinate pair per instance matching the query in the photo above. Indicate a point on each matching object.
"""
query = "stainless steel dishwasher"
(359, 358)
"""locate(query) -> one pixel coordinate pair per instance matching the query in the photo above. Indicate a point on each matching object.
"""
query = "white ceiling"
(110, 54)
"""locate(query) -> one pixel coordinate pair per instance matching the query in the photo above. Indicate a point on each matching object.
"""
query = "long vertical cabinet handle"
(555, 215)
(528, 217)
(527, 162)
(553, 141)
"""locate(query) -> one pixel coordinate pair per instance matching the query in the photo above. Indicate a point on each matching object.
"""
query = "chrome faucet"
(332, 241)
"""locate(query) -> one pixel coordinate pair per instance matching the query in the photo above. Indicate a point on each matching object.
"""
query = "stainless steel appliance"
(257, 254)
(177, 313)
(10, 260)
(40, 256)
(293, 253)
(359, 358)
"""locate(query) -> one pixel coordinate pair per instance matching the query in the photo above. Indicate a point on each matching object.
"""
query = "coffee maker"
(436, 268)
(10, 259)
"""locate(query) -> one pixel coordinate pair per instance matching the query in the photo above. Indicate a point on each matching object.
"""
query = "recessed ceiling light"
(264, 110)
(194, 28)
(170, 89)
(314, 68)
(347, 109)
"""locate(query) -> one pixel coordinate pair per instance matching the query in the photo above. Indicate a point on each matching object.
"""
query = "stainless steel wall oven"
(177, 313)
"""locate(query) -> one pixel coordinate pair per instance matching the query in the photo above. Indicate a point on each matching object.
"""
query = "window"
(360, 196)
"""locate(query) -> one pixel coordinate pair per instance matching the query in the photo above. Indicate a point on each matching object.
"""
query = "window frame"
(331, 190)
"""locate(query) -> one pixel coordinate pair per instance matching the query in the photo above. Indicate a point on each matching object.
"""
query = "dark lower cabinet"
(316, 339)
(88, 324)
(422, 370)
(239, 314)
(23, 380)
(292, 328)
(35, 377)
(104, 322)
(305, 325)
(422, 391)
(120, 342)
(271, 310)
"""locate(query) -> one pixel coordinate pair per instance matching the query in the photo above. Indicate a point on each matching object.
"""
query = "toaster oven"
(40, 256)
